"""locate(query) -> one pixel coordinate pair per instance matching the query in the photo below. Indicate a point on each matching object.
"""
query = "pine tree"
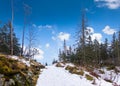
(5, 40)
(81, 41)
(96, 51)
(89, 51)
(65, 47)
(118, 46)
(113, 49)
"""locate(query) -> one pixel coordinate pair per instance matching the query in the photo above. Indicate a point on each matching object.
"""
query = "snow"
(21, 60)
(53, 76)
(25, 62)
(70, 64)
(57, 76)
(14, 57)
(111, 75)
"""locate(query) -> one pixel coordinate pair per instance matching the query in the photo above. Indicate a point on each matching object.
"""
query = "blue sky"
(55, 20)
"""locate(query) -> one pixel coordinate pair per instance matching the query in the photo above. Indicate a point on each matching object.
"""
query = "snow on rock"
(21, 60)
(26, 62)
(58, 76)
(109, 75)
(14, 57)
(70, 64)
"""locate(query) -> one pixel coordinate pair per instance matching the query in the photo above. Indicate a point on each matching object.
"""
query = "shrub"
(88, 77)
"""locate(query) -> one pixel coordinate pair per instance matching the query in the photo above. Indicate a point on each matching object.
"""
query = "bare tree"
(26, 13)
(31, 42)
(11, 29)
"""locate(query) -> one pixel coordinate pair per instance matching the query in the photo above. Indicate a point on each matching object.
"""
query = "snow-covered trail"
(54, 76)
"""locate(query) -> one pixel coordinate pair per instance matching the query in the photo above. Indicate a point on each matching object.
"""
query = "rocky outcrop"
(14, 72)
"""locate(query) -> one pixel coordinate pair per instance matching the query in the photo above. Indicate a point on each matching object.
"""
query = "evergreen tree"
(96, 51)
(119, 46)
(5, 41)
(114, 48)
(81, 40)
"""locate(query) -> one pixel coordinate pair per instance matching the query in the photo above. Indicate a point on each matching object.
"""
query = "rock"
(1, 79)
(15, 73)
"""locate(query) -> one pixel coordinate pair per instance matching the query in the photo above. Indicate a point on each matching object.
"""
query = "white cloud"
(90, 29)
(111, 4)
(45, 26)
(64, 36)
(47, 45)
(96, 36)
(48, 26)
(109, 31)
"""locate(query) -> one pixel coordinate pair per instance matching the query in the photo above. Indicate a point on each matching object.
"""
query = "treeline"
(88, 52)
(5, 40)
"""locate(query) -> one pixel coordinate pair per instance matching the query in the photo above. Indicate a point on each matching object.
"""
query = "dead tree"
(11, 29)
(26, 13)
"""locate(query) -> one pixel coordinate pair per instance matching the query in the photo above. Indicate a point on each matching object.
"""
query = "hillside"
(18, 71)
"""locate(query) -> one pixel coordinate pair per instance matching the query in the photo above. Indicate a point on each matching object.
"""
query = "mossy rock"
(6, 66)
(108, 80)
(80, 73)
(112, 67)
(88, 77)
(89, 69)
(2, 55)
(59, 65)
(68, 67)
(21, 66)
(18, 71)
(101, 71)
(4, 69)
(42, 66)
(71, 68)
(74, 70)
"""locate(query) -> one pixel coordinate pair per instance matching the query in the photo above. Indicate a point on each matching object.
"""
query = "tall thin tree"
(11, 28)
(26, 13)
